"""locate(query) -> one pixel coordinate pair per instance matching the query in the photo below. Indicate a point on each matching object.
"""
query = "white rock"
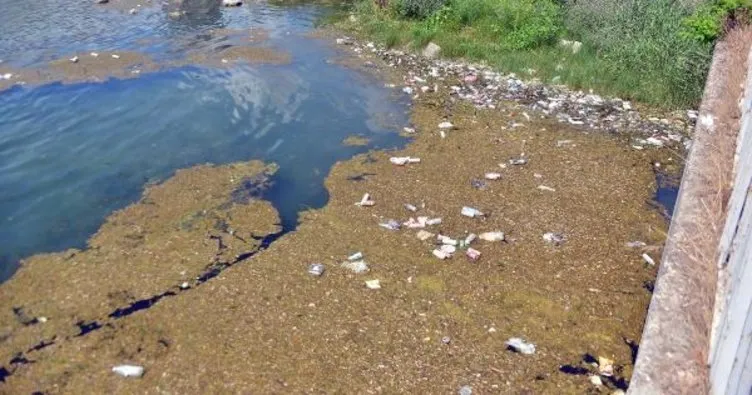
(129, 370)
(373, 284)
(596, 380)
(521, 346)
(431, 51)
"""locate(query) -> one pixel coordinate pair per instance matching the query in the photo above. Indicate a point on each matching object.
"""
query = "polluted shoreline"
(548, 297)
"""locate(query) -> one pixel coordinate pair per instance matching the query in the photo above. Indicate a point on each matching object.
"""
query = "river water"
(71, 154)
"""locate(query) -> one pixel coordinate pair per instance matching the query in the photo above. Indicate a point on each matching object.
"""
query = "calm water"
(71, 154)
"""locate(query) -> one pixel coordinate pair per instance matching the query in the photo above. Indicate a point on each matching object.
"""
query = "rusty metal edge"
(668, 360)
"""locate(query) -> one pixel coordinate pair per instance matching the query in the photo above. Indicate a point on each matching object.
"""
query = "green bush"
(707, 23)
(419, 9)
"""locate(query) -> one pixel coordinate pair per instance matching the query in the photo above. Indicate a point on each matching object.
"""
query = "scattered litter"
(554, 238)
(355, 257)
(424, 235)
(225, 61)
(433, 221)
(132, 11)
(518, 345)
(648, 259)
(478, 184)
(448, 249)
(492, 176)
(7, 76)
(408, 90)
(447, 240)
(564, 143)
(129, 370)
(356, 267)
(94, 54)
(412, 223)
(471, 212)
(232, 3)
(344, 41)
(442, 134)
(526, 116)
(408, 130)
(440, 254)
(74, 59)
(42, 319)
(373, 284)
(316, 269)
(636, 244)
(654, 141)
(470, 238)
(472, 254)
(390, 224)
(492, 236)
(545, 188)
(446, 340)
(537, 175)
(403, 160)
(365, 201)
(518, 161)
(115, 56)
(445, 125)
(596, 380)
(185, 285)
(410, 207)
(605, 366)
(491, 330)
(466, 390)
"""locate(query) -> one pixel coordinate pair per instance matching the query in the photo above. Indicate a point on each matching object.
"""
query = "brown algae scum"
(265, 325)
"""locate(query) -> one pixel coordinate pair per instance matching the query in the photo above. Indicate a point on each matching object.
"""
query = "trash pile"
(486, 88)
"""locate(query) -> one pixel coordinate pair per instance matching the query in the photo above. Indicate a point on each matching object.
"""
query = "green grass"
(635, 49)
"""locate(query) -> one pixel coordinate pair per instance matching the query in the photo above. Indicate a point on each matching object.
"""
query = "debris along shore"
(345, 303)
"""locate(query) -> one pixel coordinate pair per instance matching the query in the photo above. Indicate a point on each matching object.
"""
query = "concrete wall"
(730, 356)
(698, 332)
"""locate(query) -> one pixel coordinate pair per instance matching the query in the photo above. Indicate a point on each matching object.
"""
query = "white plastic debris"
(115, 56)
(373, 284)
(471, 212)
(648, 259)
(605, 366)
(448, 249)
(654, 141)
(7, 76)
(447, 240)
(366, 201)
(408, 130)
(472, 254)
(184, 285)
(42, 319)
(433, 221)
(74, 59)
(446, 339)
(520, 346)
(355, 257)
(492, 236)
(412, 223)
(706, 120)
(132, 11)
(546, 188)
(129, 370)
(408, 90)
(470, 238)
(440, 254)
(316, 269)
(390, 224)
(596, 380)
(356, 267)
(492, 176)
(410, 207)
(636, 244)
(424, 235)
(518, 161)
(445, 125)
(554, 238)
(94, 54)
(403, 160)
(564, 143)
(466, 390)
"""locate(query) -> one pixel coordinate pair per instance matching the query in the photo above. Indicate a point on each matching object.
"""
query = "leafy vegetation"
(653, 51)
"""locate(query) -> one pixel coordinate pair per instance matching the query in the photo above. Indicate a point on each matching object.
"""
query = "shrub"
(707, 23)
(419, 9)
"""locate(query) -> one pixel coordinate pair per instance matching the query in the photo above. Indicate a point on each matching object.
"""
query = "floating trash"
(518, 345)
(316, 269)
(471, 212)
(554, 238)
(492, 236)
(473, 254)
(356, 267)
(424, 235)
(403, 160)
(129, 370)
(648, 259)
(373, 284)
(390, 224)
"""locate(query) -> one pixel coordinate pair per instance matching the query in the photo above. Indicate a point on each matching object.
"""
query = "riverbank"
(264, 322)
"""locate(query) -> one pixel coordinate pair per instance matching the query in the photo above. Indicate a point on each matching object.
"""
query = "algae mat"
(264, 325)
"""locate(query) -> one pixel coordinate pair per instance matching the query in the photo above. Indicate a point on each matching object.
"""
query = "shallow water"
(70, 154)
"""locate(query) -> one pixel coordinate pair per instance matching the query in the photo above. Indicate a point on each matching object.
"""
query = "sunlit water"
(71, 154)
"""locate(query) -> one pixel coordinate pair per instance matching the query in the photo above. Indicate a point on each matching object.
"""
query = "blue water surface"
(72, 154)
